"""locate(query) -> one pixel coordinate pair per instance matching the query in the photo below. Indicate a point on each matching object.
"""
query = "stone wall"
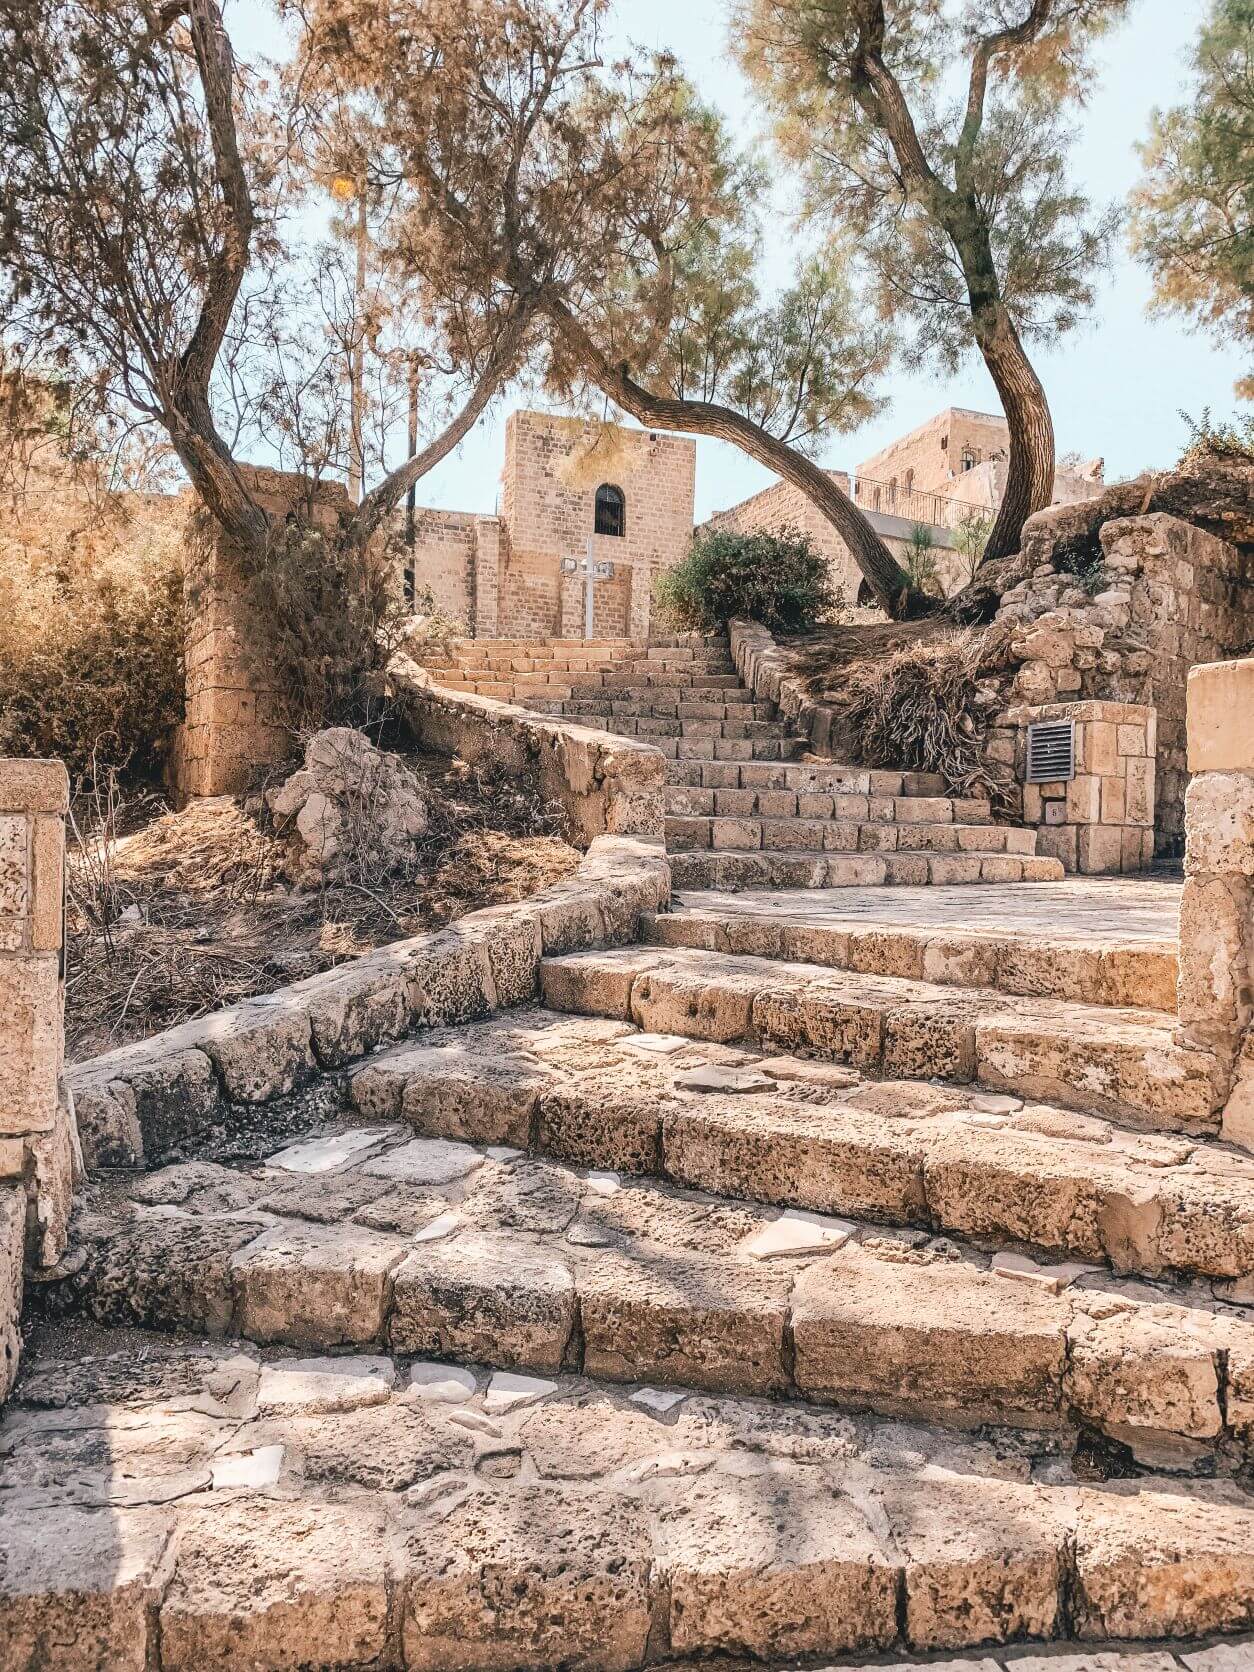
(236, 720)
(39, 1155)
(1101, 822)
(604, 784)
(1216, 992)
(1120, 612)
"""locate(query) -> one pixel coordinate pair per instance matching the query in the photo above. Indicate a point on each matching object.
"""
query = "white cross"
(592, 572)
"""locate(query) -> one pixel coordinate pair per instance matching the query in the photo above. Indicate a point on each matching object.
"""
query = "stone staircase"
(739, 1294)
(743, 808)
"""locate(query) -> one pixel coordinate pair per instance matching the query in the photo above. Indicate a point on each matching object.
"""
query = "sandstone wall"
(604, 784)
(1216, 992)
(930, 456)
(40, 1161)
(1121, 613)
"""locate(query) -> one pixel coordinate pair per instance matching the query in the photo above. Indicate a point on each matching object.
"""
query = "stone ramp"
(218, 1508)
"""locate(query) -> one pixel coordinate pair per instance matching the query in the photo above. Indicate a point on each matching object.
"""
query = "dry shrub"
(91, 650)
(921, 705)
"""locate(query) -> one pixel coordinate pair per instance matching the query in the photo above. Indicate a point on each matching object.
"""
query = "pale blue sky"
(1115, 386)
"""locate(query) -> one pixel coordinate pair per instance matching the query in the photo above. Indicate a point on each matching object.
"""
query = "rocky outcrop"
(350, 807)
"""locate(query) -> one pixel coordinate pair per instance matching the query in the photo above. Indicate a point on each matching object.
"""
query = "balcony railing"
(913, 503)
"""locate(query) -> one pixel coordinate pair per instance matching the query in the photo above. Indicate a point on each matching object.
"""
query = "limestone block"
(1216, 959)
(485, 1298)
(1084, 799)
(15, 878)
(1148, 1380)
(1139, 793)
(1238, 1114)
(752, 1572)
(48, 882)
(277, 1584)
(144, 1102)
(54, 1168)
(261, 1048)
(357, 1007)
(34, 786)
(31, 1028)
(79, 1588)
(1219, 824)
(12, 1248)
(1100, 850)
(450, 977)
(528, 1578)
(1220, 706)
(315, 1285)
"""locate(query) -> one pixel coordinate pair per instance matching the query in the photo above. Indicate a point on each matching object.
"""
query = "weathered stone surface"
(484, 1298)
(756, 1568)
(315, 1285)
(1146, 1378)
(143, 1103)
(534, 1578)
(1219, 824)
(77, 1588)
(261, 1048)
(928, 1338)
(277, 1585)
(683, 1318)
(12, 1249)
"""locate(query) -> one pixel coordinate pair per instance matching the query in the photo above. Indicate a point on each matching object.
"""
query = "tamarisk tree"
(964, 209)
(141, 186)
(606, 200)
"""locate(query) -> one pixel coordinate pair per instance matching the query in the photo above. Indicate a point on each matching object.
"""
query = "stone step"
(700, 686)
(658, 726)
(671, 707)
(740, 870)
(818, 777)
(747, 834)
(473, 1253)
(1120, 1062)
(249, 1510)
(694, 802)
(744, 750)
(1092, 971)
(797, 1132)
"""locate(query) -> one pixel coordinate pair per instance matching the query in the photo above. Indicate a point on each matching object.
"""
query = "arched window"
(910, 481)
(968, 458)
(611, 511)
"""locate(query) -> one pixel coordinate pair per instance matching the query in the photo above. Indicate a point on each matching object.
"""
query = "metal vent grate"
(1051, 752)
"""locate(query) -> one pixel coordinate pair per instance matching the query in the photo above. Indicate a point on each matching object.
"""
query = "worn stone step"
(630, 684)
(828, 869)
(655, 726)
(469, 1252)
(839, 802)
(672, 707)
(742, 750)
(798, 1132)
(819, 777)
(395, 1514)
(1094, 971)
(843, 833)
(1124, 1063)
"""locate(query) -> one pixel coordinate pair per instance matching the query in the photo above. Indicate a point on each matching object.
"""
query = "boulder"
(350, 806)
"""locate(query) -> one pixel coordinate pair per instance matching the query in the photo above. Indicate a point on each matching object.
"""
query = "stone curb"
(763, 667)
(605, 784)
(144, 1101)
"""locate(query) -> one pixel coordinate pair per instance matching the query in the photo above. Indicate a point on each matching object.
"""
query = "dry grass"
(199, 915)
(916, 696)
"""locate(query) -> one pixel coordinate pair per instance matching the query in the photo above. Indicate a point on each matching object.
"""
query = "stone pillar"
(639, 602)
(236, 719)
(40, 1161)
(1101, 822)
(1216, 991)
(487, 577)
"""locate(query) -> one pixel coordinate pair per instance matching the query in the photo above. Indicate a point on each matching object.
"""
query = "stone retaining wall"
(144, 1104)
(1120, 611)
(40, 1161)
(604, 784)
(763, 667)
(1216, 992)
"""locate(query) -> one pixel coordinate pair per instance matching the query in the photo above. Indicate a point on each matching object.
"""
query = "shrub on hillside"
(779, 580)
(91, 658)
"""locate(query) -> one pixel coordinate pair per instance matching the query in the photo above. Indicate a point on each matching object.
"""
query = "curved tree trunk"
(885, 576)
(1030, 475)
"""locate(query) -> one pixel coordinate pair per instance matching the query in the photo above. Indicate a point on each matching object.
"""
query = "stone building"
(565, 481)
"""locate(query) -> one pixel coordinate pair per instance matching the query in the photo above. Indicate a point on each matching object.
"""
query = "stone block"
(484, 1298)
(1099, 750)
(1147, 1379)
(315, 1285)
(261, 1048)
(1114, 800)
(1220, 703)
(48, 884)
(34, 786)
(31, 1027)
(12, 1250)
(1216, 959)
(1219, 823)
(54, 1169)
(1084, 799)
(1100, 850)
(15, 890)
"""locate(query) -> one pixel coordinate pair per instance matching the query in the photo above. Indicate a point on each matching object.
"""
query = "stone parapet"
(1216, 991)
(39, 1156)
(763, 667)
(150, 1102)
(1100, 822)
(605, 784)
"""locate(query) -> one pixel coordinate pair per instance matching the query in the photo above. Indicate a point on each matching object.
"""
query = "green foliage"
(91, 664)
(920, 560)
(779, 580)
(972, 534)
(1193, 213)
(1233, 439)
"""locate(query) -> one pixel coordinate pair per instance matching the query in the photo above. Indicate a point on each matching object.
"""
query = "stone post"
(40, 1162)
(1216, 990)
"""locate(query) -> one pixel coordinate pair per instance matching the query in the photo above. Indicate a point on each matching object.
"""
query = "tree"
(974, 233)
(142, 249)
(607, 197)
(1193, 212)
